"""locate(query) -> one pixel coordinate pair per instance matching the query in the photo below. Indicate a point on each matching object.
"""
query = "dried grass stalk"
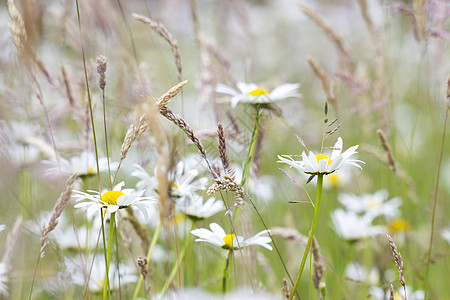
(11, 242)
(398, 261)
(102, 61)
(165, 99)
(166, 35)
(222, 147)
(181, 123)
(60, 204)
(133, 133)
(226, 183)
(391, 292)
(319, 268)
(66, 82)
(287, 294)
(329, 87)
(335, 37)
(384, 143)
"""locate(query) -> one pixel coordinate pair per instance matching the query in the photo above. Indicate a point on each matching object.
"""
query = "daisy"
(200, 210)
(321, 164)
(351, 226)
(83, 165)
(358, 273)
(374, 205)
(97, 276)
(185, 182)
(2, 227)
(445, 233)
(218, 237)
(113, 200)
(253, 94)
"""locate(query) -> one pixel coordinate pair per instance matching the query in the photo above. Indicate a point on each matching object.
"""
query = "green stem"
(179, 260)
(251, 148)
(226, 272)
(149, 256)
(106, 288)
(311, 234)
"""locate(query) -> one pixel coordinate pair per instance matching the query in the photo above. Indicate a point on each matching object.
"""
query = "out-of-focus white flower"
(315, 164)
(96, 280)
(374, 205)
(253, 94)
(218, 237)
(246, 293)
(200, 210)
(356, 272)
(398, 295)
(262, 186)
(83, 165)
(185, 183)
(113, 200)
(445, 233)
(351, 226)
(2, 227)
(3, 279)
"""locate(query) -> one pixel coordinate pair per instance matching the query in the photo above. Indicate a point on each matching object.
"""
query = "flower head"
(201, 210)
(83, 165)
(218, 237)
(375, 205)
(113, 200)
(351, 226)
(315, 164)
(253, 94)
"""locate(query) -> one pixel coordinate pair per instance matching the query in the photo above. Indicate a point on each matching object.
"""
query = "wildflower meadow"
(194, 149)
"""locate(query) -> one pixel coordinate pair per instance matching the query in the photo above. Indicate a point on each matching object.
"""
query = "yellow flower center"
(228, 239)
(334, 179)
(398, 225)
(373, 203)
(91, 170)
(177, 219)
(111, 197)
(258, 92)
(323, 156)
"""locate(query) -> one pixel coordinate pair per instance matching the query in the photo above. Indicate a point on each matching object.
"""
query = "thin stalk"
(251, 148)
(89, 96)
(149, 256)
(436, 189)
(227, 273)
(311, 234)
(177, 264)
(106, 138)
(106, 289)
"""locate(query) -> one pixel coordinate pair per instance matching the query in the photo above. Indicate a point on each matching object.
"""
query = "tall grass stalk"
(175, 268)
(436, 189)
(149, 256)
(252, 147)
(112, 223)
(311, 234)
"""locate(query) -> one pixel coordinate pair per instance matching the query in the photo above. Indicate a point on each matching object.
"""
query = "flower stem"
(179, 260)
(251, 148)
(149, 256)
(226, 272)
(311, 234)
(112, 223)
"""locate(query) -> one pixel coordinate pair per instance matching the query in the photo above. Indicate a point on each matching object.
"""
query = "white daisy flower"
(185, 182)
(445, 233)
(372, 204)
(218, 237)
(83, 165)
(113, 200)
(315, 164)
(253, 94)
(97, 275)
(356, 272)
(351, 226)
(2, 227)
(200, 210)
